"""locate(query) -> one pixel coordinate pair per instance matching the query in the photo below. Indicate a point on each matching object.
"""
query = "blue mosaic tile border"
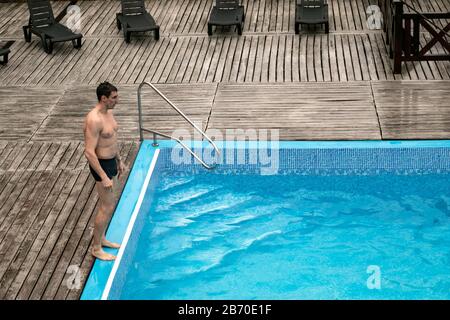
(339, 161)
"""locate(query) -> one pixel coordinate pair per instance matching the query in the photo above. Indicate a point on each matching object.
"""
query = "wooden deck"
(269, 50)
(310, 86)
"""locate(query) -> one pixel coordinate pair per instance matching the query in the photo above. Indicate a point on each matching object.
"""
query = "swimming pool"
(319, 220)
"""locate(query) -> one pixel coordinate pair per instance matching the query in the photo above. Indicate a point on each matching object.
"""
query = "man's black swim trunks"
(108, 165)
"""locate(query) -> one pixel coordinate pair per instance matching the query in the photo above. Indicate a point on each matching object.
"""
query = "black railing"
(403, 32)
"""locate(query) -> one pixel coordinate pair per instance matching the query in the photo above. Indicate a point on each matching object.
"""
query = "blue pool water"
(334, 220)
(316, 236)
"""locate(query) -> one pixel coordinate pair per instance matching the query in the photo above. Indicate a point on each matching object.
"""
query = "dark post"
(398, 35)
(416, 34)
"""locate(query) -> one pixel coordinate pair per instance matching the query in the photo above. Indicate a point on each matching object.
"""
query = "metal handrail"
(155, 143)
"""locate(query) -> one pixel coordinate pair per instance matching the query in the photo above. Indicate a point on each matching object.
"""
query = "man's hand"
(107, 183)
(121, 167)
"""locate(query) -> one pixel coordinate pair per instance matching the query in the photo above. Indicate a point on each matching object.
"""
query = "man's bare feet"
(109, 244)
(102, 255)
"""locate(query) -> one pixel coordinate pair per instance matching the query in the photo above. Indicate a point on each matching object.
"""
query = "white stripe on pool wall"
(130, 226)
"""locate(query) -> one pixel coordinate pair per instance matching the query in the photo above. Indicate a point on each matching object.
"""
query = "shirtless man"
(100, 134)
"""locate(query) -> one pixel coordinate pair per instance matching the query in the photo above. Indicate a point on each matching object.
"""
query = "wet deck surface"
(310, 86)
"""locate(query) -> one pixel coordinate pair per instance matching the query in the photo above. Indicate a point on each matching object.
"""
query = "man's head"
(107, 94)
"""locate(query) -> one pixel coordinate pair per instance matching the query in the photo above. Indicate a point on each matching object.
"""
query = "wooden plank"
(5, 177)
(58, 224)
(423, 118)
(208, 54)
(117, 50)
(224, 57)
(34, 50)
(23, 262)
(11, 193)
(129, 75)
(100, 60)
(55, 215)
(273, 59)
(244, 59)
(180, 57)
(229, 59)
(296, 59)
(51, 163)
(355, 21)
(280, 58)
(202, 17)
(213, 65)
(370, 58)
(288, 58)
(165, 60)
(266, 59)
(353, 52)
(15, 157)
(96, 10)
(56, 74)
(287, 14)
(171, 24)
(336, 15)
(251, 22)
(248, 12)
(302, 58)
(75, 67)
(163, 12)
(20, 197)
(22, 231)
(236, 59)
(109, 25)
(381, 73)
(184, 63)
(155, 47)
(340, 59)
(318, 58)
(189, 18)
(260, 16)
(5, 155)
(68, 154)
(193, 59)
(104, 18)
(44, 148)
(185, 17)
(278, 15)
(362, 57)
(133, 49)
(31, 159)
(343, 14)
(91, 60)
(20, 49)
(273, 16)
(201, 59)
(250, 68)
(310, 108)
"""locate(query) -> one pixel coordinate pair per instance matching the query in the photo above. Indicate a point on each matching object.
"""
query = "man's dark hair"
(105, 89)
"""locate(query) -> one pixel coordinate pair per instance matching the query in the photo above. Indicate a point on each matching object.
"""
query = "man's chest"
(109, 127)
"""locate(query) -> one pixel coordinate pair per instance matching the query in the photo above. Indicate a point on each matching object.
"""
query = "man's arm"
(121, 167)
(91, 135)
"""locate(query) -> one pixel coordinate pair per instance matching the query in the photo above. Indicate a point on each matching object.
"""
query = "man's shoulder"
(92, 118)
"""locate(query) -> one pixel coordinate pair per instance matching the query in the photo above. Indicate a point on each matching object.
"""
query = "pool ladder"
(155, 133)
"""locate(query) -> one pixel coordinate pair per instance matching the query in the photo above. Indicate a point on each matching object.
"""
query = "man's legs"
(102, 219)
